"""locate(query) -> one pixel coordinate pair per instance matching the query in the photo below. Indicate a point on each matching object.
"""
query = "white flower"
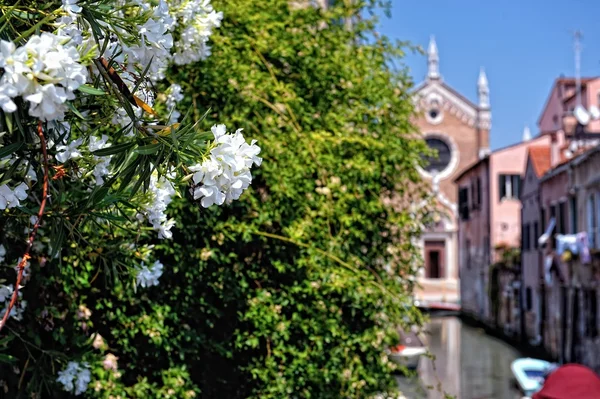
(75, 377)
(210, 195)
(71, 7)
(45, 72)
(102, 163)
(164, 231)
(26, 268)
(110, 362)
(101, 169)
(70, 151)
(148, 277)
(11, 198)
(198, 19)
(98, 143)
(161, 194)
(174, 96)
(6, 292)
(155, 42)
(2, 255)
(223, 177)
(30, 176)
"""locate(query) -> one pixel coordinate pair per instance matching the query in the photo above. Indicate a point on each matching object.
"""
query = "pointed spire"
(433, 60)
(483, 90)
(526, 133)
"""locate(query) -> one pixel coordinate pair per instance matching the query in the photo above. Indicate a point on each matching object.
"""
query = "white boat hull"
(408, 357)
(529, 374)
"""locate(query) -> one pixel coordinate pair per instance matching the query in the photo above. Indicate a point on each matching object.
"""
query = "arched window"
(441, 159)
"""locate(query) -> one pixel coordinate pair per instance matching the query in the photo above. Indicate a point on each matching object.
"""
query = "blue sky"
(523, 45)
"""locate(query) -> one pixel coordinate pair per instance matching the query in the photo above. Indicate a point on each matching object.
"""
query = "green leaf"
(74, 110)
(91, 90)
(11, 149)
(148, 149)
(7, 359)
(113, 149)
(4, 341)
(58, 236)
(98, 195)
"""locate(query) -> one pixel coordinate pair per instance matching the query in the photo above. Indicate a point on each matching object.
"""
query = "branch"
(26, 255)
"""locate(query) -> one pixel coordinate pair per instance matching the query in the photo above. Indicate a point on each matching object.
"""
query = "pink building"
(562, 101)
(533, 225)
(490, 217)
(547, 193)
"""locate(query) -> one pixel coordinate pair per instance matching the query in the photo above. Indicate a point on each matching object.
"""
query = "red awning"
(569, 382)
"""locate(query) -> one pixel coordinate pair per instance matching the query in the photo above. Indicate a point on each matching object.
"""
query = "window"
(463, 203)
(476, 193)
(591, 300)
(509, 186)
(591, 220)
(526, 238)
(543, 218)
(536, 235)
(478, 190)
(441, 159)
(486, 250)
(562, 218)
(573, 214)
(473, 195)
(596, 215)
(528, 299)
(434, 270)
(468, 252)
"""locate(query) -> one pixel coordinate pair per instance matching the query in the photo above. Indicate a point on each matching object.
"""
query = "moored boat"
(409, 351)
(530, 374)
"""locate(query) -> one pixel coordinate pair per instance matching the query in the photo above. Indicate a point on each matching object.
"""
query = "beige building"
(459, 130)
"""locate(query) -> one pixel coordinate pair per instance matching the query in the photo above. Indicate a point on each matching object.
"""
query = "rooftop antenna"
(578, 36)
(581, 114)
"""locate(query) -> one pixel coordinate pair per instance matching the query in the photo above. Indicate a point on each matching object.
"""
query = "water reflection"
(468, 365)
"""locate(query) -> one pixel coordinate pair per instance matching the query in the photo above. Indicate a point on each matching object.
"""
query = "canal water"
(468, 364)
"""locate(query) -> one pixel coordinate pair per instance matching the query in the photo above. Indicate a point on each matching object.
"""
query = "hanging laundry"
(584, 247)
(547, 269)
(566, 242)
(544, 237)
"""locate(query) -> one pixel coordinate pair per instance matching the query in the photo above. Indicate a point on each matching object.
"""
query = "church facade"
(458, 130)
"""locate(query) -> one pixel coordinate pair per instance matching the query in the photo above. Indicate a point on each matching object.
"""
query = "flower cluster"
(148, 276)
(6, 292)
(225, 175)
(45, 72)
(75, 377)
(61, 86)
(174, 96)
(9, 198)
(68, 151)
(101, 168)
(198, 19)
(67, 24)
(154, 46)
(161, 195)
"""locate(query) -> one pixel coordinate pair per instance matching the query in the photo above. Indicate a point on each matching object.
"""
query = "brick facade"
(463, 126)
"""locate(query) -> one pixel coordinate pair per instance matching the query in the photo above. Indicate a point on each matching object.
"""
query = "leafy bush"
(294, 291)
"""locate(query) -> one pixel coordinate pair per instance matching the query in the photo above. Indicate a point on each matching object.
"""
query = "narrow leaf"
(113, 149)
(11, 149)
(91, 90)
